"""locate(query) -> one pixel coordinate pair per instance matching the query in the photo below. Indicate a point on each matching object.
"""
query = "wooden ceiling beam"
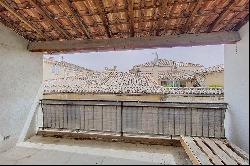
(136, 7)
(241, 23)
(100, 7)
(22, 19)
(77, 17)
(49, 18)
(162, 10)
(136, 20)
(222, 15)
(130, 4)
(185, 40)
(188, 24)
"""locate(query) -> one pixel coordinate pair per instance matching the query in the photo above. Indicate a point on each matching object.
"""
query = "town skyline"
(125, 60)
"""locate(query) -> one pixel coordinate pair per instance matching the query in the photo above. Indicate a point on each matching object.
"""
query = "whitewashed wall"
(237, 90)
(20, 79)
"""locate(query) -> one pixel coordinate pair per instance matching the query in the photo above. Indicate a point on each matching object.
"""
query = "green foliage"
(167, 85)
(215, 86)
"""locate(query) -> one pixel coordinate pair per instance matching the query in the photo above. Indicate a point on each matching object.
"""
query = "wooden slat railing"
(133, 117)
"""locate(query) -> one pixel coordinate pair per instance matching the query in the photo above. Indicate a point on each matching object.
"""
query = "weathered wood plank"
(194, 122)
(177, 121)
(166, 121)
(215, 159)
(83, 118)
(45, 117)
(65, 119)
(188, 122)
(205, 123)
(217, 122)
(57, 117)
(222, 123)
(78, 118)
(136, 43)
(219, 152)
(211, 124)
(52, 113)
(171, 125)
(233, 155)
(182, 121)
(239, 151)
(194, 152)
(199, 119)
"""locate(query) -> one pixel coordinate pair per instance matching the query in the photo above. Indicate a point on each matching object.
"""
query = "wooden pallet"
(205, 151)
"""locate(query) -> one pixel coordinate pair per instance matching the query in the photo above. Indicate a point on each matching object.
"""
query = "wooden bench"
(207, 151)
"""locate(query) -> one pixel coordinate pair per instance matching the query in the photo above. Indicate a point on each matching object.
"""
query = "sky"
(125, 60)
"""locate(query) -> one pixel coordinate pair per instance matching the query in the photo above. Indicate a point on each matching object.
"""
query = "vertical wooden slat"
(52, 111)
(45, 116)
(118, 117)
(61, 117)
(171, 126)
(78, 120)
(106, 119)
(222, 123)
(144, 122)
(199, 126)
(98, 116)
(177, 121)
(182, 121)
(211, 124)
(137, 119)
(89, 118)
(57, 117)
(69, 111)
(140, 121)
(194, 122)
(154, 113)
(65, 117)
(160, 120)
(166, 121)
(205, 123)
(113, 118)
(83, 117)
(188, 113)
(217, 123)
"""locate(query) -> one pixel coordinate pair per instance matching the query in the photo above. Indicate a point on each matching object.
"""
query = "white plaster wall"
(237, 90)
(20, 79)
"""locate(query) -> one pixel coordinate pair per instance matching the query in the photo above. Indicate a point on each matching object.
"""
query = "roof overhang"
(100, 25)
(184, 40)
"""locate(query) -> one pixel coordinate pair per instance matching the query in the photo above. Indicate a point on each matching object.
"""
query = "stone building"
(168, 72)
(211, 77)
(105, 86)
(123, 86)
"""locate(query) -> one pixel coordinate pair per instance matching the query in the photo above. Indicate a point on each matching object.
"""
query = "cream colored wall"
(176, 98)
(215, 78)
(237, 90)
(72, 96)
(20, 80)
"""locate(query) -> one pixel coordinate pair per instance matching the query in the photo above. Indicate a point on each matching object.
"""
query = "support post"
(122, 118)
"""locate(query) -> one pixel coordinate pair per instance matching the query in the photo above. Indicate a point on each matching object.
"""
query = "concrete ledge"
(111, 137)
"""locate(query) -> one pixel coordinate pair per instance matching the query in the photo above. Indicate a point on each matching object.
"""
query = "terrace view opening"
(126, 82)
